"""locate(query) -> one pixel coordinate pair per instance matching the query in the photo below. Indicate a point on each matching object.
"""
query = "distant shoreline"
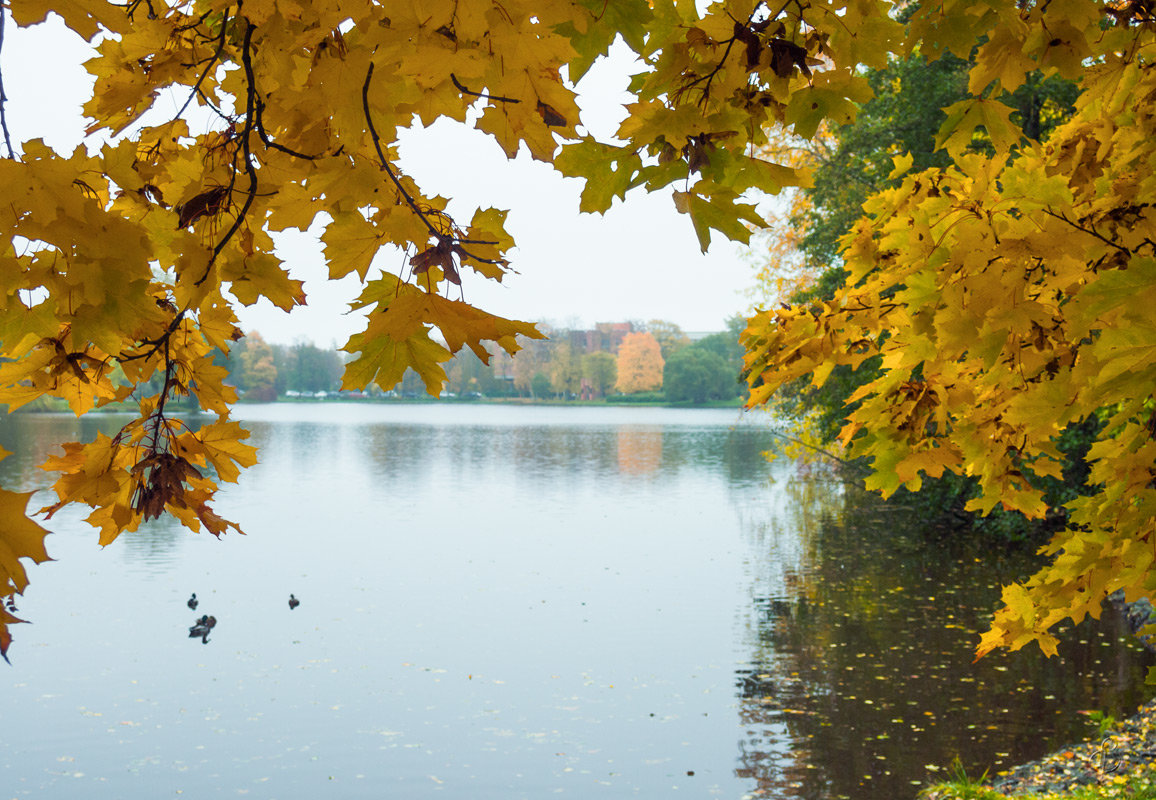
(58, 406)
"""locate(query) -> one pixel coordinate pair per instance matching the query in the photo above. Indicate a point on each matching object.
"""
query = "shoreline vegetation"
(51, 405)
(1118, 763)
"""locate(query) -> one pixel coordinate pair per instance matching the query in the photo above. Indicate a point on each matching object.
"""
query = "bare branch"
(212, 63)
(449, 241)
(3, 96)
(482, 95)
(246, 153)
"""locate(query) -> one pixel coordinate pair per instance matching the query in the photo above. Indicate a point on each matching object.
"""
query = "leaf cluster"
(1006, 297)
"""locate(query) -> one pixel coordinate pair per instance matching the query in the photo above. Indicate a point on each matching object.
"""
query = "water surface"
(508, 602)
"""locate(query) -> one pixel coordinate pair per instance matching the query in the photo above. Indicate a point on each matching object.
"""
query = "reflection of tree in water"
(862, 634)
(541, 453)
(639, 451)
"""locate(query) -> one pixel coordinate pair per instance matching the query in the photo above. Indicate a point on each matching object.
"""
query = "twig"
(212, 63)
(450, 241)
(250, 170)
(157, 343)
(482, 95)
(1089, 231)
(820, 451)
(3, 96)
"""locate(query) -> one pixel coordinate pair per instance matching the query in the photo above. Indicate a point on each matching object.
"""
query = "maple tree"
(801, 262)
(639, 364)
(1007, 296)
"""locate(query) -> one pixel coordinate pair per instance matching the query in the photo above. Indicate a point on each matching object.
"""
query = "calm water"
(519, 603)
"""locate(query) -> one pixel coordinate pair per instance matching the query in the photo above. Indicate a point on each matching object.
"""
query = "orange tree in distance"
(639, 364)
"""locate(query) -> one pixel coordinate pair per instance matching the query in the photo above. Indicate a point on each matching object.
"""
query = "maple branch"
(1090, 232)
(213, 107)
(483, 95)
(710, 76)
(159, 413)
(852, 465)
(3, 96)
(246, 133)
(155, 344)
(212, 63)
(443, 239)
(269, 143)
(385, 161)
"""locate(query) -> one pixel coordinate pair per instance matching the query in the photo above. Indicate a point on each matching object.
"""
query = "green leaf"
(963, 118)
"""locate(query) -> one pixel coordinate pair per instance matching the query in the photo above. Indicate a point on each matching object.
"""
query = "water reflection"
(861, 685)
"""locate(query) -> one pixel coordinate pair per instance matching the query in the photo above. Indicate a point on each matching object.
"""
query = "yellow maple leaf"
(20, 537)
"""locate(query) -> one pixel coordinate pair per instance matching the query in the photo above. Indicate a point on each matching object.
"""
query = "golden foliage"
(1009, 296)
(640, 364)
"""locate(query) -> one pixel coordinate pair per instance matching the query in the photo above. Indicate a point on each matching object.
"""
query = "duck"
(193, 602)
(293, 602)
(202, 627)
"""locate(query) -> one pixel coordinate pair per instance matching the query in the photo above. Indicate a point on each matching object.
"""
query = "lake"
(522, 602)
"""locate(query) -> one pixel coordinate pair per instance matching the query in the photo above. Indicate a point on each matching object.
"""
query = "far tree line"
(624, 361)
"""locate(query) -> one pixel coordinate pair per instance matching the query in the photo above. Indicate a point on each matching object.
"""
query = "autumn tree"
(565, 369)
(1007, 296)
(802, 262)
(530, 361)
(258, 372)
(670, 336)
(639, 364)
(599, 372)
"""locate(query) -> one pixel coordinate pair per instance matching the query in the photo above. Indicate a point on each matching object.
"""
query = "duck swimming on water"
(293, 602)
(193, 602)
(202, 627)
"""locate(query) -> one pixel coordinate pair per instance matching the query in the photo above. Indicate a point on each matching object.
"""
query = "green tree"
(697, 374)
(669, 335)
(540, 385)
(313, 369)
(599, 372)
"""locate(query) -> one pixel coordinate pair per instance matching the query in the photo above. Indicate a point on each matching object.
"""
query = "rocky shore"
(1129, 746)
(1126, 747)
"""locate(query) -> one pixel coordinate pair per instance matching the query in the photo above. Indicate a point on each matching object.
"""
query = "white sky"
(640, 261)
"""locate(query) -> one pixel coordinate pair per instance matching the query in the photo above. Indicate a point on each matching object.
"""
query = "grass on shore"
(1139, 784)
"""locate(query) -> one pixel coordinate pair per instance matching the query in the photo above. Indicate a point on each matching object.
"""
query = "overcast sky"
(640, 261)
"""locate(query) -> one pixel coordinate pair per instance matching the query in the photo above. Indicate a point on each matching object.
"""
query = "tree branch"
(212, 63)
(482, 95)
(449, 241)
(246, 153)
(1090, 232)
(3, 96)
